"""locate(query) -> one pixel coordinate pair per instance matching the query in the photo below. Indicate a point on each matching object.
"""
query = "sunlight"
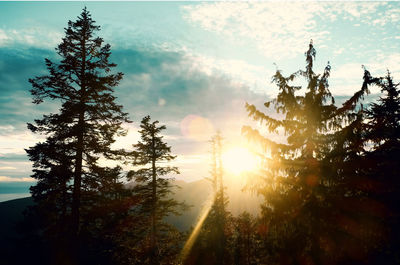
(237, 160)
(193, 236)
(196, 128)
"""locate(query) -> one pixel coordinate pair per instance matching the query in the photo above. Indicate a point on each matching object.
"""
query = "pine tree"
(365, 156)
(244, 239)
(383, 165)
(154, 190)
(384, 116)
(214, 236)
(294, 188)
(217, 222)
(67, 165)
(328, 189)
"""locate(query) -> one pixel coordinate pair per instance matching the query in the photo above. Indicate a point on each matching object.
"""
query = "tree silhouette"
(213, 241)
(363, 193)
(67, 163)
(216, 225)
(331, 187)
(294, 187)
(153, 191)
(244, 245)
(383, 165)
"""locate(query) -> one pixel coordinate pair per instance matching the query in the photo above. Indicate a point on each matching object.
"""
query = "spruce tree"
(216, 225)
(244, 247)
(214, 236)
(365, 158)
(66, 164)
(294, 188)
(382, 166)
(157, 238)
(331, 187)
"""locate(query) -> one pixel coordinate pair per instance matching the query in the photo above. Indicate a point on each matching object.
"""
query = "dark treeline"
(330, 188)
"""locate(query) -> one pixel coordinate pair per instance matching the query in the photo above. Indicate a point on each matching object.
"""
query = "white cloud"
(238, 70)
(10, 179)
(385, 62)
(3, 37)
(261, 23)
(191, 159)
(347, 79)
(348, 71)
(391, 15)
(15, 143)
(6, 128)
(126, 142)
(338, 51)
(276, 26)
(7, 168)
(33, 36)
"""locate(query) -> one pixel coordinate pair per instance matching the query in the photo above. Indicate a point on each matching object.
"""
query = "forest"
(329, 181)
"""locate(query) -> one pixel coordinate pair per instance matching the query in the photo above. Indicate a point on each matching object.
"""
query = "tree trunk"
(76, 196)
(154, 247)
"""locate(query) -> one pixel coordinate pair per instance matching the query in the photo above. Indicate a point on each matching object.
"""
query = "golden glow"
(193, 236)
(197, 128)
(237, 160)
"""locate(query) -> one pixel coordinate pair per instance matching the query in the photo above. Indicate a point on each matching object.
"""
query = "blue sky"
(190, 64)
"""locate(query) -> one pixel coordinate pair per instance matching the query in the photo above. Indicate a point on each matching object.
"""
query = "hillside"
(194, 194)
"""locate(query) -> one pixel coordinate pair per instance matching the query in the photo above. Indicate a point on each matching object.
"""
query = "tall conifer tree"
(382, 166)
(216, 224)
(214, 236)
(294, 188)
(66, 164)
(153, 190)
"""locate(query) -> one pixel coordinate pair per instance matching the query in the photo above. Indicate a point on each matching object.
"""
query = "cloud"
(272, 26)
(7, 168)
(132, 137)
(3, 37)
(347, 78)
(6, 129)
(16, 142)
(244, 74)
(338, 51)
(15, 165)
(281, 30)
(10, 179)
(30, 37)
(391, 15)
(16, 67)
(188, 84)
(168, 85)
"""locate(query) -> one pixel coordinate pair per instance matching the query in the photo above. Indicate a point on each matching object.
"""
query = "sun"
(237, 160)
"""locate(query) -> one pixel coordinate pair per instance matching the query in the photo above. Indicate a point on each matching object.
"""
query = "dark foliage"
(156, 242)
(213, 243)
(77, 200)
(329, 189)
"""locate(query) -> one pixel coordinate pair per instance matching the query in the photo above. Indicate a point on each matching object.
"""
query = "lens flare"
(197, 128)
(193, 236)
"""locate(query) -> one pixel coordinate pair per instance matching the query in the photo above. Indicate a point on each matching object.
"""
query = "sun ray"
(195, 233)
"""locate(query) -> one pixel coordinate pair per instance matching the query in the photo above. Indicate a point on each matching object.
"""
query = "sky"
(190, 65)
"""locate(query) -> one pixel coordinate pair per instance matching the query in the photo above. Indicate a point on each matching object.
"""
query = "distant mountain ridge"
(194, 194)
